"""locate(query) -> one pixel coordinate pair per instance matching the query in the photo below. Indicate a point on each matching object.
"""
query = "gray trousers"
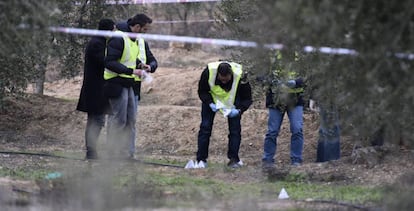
(133, 139)
(121, 122)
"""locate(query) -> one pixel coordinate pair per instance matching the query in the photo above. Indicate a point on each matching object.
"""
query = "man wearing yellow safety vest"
(121, 70)
(284, 95)
(222, 88)
(147, 61)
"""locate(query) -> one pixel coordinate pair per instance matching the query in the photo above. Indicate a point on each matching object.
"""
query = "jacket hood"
(123, 26)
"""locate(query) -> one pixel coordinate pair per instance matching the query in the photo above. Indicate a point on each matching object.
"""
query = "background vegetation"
(373, 88)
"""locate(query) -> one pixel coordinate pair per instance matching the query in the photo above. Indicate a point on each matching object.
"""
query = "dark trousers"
(206, 126)
(94, 125)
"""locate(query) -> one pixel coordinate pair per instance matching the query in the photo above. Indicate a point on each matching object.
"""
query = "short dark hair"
(140, 19)
(224, 68)
(106, 24)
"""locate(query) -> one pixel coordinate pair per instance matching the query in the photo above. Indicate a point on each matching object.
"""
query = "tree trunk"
(40, 81)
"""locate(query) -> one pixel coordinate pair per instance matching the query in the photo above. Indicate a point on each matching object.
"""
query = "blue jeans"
(329, 134)
(94, 125)
(121, 121)
(273, 127)
(206, 126)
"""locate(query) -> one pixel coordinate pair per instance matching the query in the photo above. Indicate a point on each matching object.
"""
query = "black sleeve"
(114, 52)
(151, 58)
(204, 88)
(244, 93)
(299, 82)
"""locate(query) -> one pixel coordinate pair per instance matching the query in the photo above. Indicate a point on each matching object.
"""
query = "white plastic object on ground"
(195, 165)
(189, 165)
(283, 194)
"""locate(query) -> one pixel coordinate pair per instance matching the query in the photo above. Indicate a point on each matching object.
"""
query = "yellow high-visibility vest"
(218, 93)
(128, 58)
(142, 55)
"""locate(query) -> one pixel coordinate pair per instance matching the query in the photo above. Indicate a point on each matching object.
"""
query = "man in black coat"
(92, 100)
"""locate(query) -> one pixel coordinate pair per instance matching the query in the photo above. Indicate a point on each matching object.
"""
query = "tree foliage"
(28, 46)
(372, 88)
(78, 14)
(23, 42)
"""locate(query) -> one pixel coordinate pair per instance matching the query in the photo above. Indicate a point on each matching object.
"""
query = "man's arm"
(204, 88)
(245, 93)
(299, 82)
(115, 49)
(151, 60)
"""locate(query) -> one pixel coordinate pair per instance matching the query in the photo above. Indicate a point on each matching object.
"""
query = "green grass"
(191, 187)
(182, 188)
(295, 184)
(348, 193)
(24, 173)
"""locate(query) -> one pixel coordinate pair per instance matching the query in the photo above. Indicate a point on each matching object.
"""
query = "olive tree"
(28, 46)
(372, 84)
(22, 42)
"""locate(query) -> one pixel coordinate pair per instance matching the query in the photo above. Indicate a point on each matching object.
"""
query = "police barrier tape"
(199, 40)
(210, 41)
(155, 1)
(186, 21)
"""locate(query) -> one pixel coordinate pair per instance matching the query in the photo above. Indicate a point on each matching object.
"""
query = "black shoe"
(268, 166)
(132, 157)
(91, 155)
(234, 164)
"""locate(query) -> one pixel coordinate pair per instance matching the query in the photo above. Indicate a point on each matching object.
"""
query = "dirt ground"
(168, 121)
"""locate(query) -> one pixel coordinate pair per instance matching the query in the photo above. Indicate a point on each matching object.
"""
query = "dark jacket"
(91, 98)
(123, 26)
(243, 98)
(115, 48)
(293, 99)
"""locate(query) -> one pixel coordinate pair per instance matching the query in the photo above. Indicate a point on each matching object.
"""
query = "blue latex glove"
(291, 83)
(213, 107)
(234, 112)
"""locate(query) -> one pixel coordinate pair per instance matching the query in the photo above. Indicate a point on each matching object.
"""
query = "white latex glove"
(234, 112)
(138, 72)
(312, 106)
(213, 107)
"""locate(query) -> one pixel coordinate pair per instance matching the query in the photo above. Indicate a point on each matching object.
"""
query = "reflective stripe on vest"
(142, 55)
(128, 58)
(290, 76)
(218, 93)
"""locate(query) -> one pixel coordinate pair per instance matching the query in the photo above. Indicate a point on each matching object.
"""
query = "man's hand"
(291, 83)
(213, 107)
(146, 67)
(138, 72)
(234, 112)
